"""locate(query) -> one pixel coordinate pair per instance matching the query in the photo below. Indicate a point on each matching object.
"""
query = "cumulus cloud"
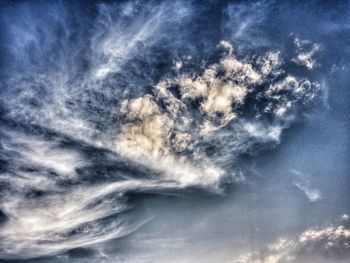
(306, 52)
(174, 124)
(329, 244)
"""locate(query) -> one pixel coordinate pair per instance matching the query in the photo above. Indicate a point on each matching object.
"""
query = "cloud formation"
(176, 124)
(306, 52)
(329, 244)
(163, 113)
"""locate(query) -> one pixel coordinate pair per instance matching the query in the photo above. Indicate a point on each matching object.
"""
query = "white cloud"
(329, 244)
(38, 152)
(66, 219)
(312, 194)
(345, 217)
(113, 43)
(306, 53)
(158, 128)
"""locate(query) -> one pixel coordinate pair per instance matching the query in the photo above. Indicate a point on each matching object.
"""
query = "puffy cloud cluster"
(290, 91)
(306, 53)
(230, 106)
(329, 244)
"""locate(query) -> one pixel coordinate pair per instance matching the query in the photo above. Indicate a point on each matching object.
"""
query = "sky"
(174, 131)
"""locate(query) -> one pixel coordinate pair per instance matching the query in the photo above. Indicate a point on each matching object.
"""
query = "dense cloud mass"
(186, 115)
(183, 131)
